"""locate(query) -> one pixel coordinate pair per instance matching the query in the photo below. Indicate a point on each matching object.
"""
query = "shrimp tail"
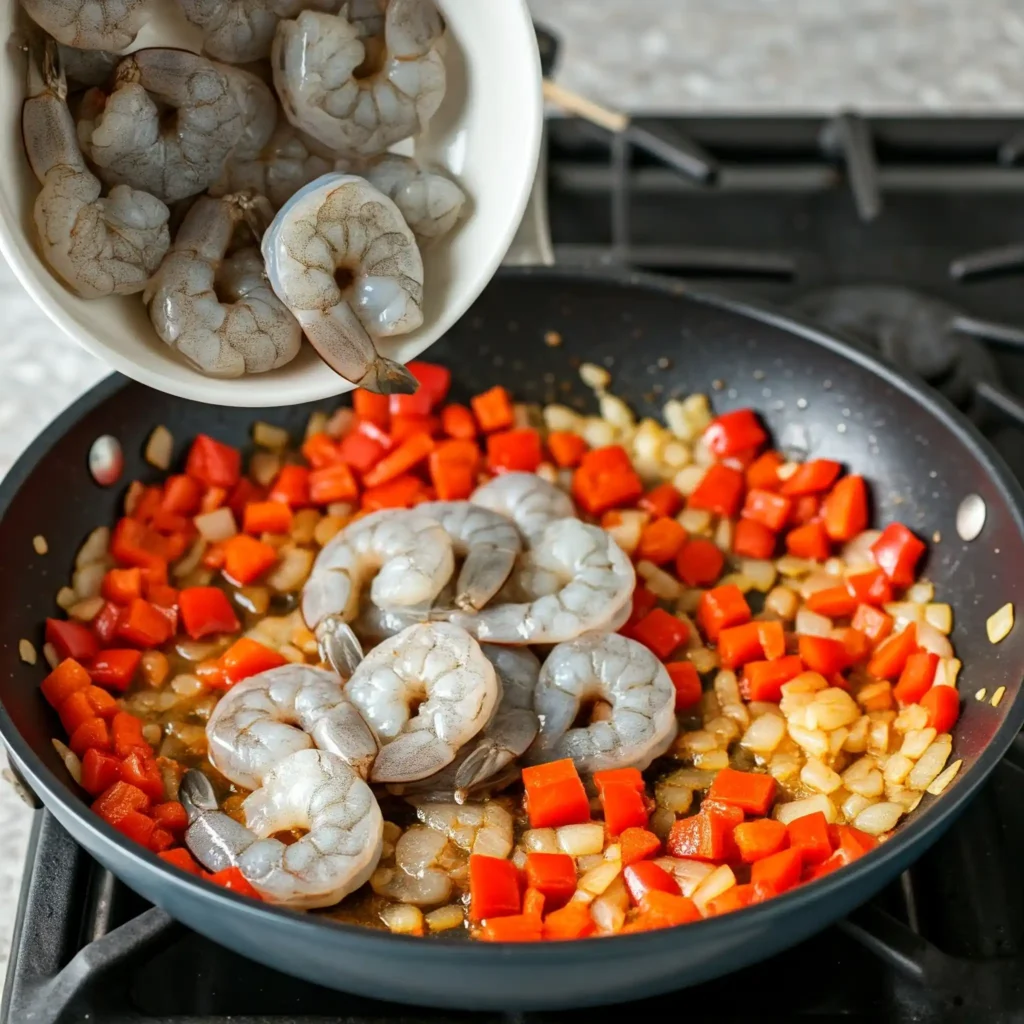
(387, 377)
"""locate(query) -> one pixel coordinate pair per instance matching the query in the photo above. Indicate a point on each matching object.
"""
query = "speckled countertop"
(764, 55)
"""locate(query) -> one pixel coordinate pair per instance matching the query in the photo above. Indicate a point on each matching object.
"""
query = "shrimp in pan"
(315, 60)
(342, 259)
(264, 718)
(408, 556)
(91, 24)
(312, 790)
(99, 246)
(529, 501)
(441, 667)
(611, 668)
(252, 332)
(133, 142)
(572, 579)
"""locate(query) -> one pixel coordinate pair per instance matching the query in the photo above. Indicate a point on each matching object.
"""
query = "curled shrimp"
(264, 718)
(256, 101)
(529, 501)
(99, 246)
(485, 829)
(311, 790)
(133, 142)
(572, 579)
(252, 331)
(91, 24)
(442, 667)
(88, 67)
(486, 541)
(316, 57)
(430, 201)
(410, 553)
(611, 668)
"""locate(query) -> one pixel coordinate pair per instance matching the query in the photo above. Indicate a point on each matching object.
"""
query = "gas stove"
(902, 234)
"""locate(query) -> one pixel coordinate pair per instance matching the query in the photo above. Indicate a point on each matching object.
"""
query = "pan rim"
(439, 950)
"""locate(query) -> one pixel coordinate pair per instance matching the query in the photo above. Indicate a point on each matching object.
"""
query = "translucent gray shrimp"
(99, 246)
(218, 311)
(88, 67)
(430, 201)
(529, 501)
(341, 223)
(91, 24)
(258, 105)
(133, 142)
(311, 790)
(316, 58)
(572, 579)
(407, 555)
(487, 541)
(438, 667)
(611, 668)
(264, 718)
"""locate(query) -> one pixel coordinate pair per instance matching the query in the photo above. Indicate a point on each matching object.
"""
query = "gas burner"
(913, 330)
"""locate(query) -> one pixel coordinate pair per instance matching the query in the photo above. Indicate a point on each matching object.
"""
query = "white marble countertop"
(762, 55)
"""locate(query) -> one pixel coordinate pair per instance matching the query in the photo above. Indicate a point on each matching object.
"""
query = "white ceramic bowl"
(487, 134)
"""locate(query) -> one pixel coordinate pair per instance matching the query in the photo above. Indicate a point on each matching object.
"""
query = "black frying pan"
(921, 457)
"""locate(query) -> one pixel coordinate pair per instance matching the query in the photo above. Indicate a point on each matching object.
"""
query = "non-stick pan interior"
(530, 332)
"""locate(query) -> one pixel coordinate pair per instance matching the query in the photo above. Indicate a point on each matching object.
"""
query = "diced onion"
(878, 818)
(921, 592)
(788, 565)
(27, 652)
(50, 655)
(810, 623)
(266, 435)
(760, 572)
(445, 918)
(191, 559)
(615, 411)
(87, 610)
(999, 624)
(316, 424)
(676, 799)
(688, 479)
(598, 433)
(942, 780)
(70, 759)
(562, 419)
(897, 768)
(939, 616)
(264, 466)
(292, 571)
(783, 602)
(930, 763)
(703, 659)
(403, 918)
(159, 448)
(598, 878)
(695, 520)
(580, 840)
(800, 808)
(723, 535)
(916, 742)
(94, 549)
(659, 582)
(66, 598)
(764, 734)
(216, 525)
(817, 775)
(720, 880)
(691, 778)
(857, 552)
(932, 640)
(88, 580)
(854, 804)
(595, 377)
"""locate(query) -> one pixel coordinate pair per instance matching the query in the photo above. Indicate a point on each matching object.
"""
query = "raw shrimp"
(417, 876)
(250, 332)
(611, 668)
(441, 668)
(268, 716)
(88, 67)
(133, 142)
(286, 163)
(572, 579)
(341, 258)
(487, 541)
(312, 790)
(98, 246)
(478, 828)
(316, 58)
(430, 202)
(258, 105)
(91, 24)
(530, 502)
(410, 553)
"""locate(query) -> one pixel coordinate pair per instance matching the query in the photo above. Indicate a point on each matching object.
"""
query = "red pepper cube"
(645, 877)
(686, 681)
(320, 450)
(943, 706)
(845, 509)
(247, 657)
(661, 632)
(115, 669)
(363, 447)
(291, 486)
(246, 559)
(832, 602)
(233, 880)
(370, 406)
(91, 734)
(126, 733)
(213, 463)
(662, 501)
(706, 835)
(71, 639)
(809, 541)
(763, 473)
(759, 839)
(566, 449)
(916, 678)
(334, 483)
(811, 478)
(739, 644)
(734, 432)
(767, 508)
(555, 795)
(720, 491)
(514, 451)
(897, 553)
(605, 480)
(753, 540)
(136, 826)
(699, 562)
(822, 654)
(779, 872)
(207, 610)
(890, 657)
(809, 835)
(120, 799)
(720, 608)
(143, 773)
(751, 792)
(493, 887)
(871, 587)
(623, 808)
(493, 410)
(553, 874)
(763, 680)
(631, 777)
(144, 625)
(68, 677)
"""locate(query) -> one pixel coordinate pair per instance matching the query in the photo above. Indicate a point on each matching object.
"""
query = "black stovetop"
(798, 208)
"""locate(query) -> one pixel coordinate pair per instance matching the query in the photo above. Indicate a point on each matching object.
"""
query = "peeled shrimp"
(91, 24)
(264, 718)
(88, 67)
(417, 877)
(133, 142)
(572, 579)
(316, 57)
(98, 246)
(410, 553)
(619, 671)
(430, 202)
(478, 828)
(311, 790)
(250, 332)
(342, 223)
(487, 541)
(530, 502)
(258, 105)
(443, 668)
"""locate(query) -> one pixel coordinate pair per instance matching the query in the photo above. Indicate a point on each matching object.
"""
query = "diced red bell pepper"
(767, 508)
(402, 492)
(876, 625)
(686, 681)
(753, 540)
(661, 501)
(75, 710)
(623, 808)
(104, 625)
(555, 795)
(71, 639)
(246, 559)
(115, 668)
(573, 921)
(809, 541)
(126, 733)
(143, 773)
(291, 486)
(363, 447)
(759, 839)
(434, 380)
(182, 495)
(720, 491)
(833, 602)
(943, 706)
(493, 410)
(845, 509)
(645, 876)
(408, 454)
(120, 799)
(493, 887)
(773, 639)
(68, 677)
(720, 608)
(458, 421)
(404, 427)
(134, 543)
(763, 680)
(660, 541)
(160, 839)
(171, 816)
(514, 451)
(512, 928)
(207, 610)
(811, 478)
(320, 450)
(91, 734)
(182, 860)
(122, 586)
(739, 644)
(566, 449)
(144, 625)
(630, 777)
(856, 645)
(734, 432)
(823, 654)
(871, 587)
(233, 880)
(370, 406)
(336, 483)
(643, 602)
(699, 562)
(735, 898)
(213, 463)
(780, 871)
(752, 792)
(661, 632)
(453, 470)
(136, 826)
(763, 472)
(553, 874)
(809, 837)
(664, 910)
(267, 517)
(706, 835)
(891, 655)
(242, 494)
(606, 479)
(897, 553)
(638, 844)
(916, 678)
(805, 510)
(100, 771)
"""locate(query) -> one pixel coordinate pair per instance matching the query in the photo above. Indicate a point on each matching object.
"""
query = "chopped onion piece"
(942, 780)
(676, 799)
(27, 652)
(916, 742)
(292, 571)
(445, 918)
(88, 580)
(95, 548)
(87, 610)
(857, 552)
(799, 808)
(580, 840)
(688, 478)
(760, 572)
(266, 435)
(597, 879)
(783, 602)
(812, 624)
(939, 616)
(720, 880)
(659, 582)
(878, 818)
(932, 640)
(70, 759)
(403, 918)
(695, 520)
(159, 448)
(66, 598)
(1000, 623)
(216, 525)
(930, 763)
(51, 655)
(788, 565)
(817, 775)
(764, 734)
